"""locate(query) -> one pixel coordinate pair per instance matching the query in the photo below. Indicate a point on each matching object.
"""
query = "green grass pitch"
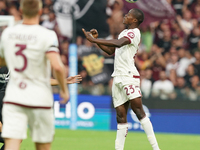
(104, 140)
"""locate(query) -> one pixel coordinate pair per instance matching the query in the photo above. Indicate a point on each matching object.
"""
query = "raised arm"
(112, 43)
(107, 49)
(107, 46)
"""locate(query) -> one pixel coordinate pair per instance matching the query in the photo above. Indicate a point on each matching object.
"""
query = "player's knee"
(121, 119)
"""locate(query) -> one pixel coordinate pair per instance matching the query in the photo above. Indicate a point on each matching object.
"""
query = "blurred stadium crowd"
(168, 58)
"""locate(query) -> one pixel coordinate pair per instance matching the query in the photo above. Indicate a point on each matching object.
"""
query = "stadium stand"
(170, 45)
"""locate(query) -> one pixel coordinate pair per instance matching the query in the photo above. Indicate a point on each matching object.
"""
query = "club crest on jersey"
(22, 85)
(131, 35)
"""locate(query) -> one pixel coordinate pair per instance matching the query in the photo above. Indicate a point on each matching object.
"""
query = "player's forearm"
(108, 50)
(60, 76)
(54, 82)
(110, 43)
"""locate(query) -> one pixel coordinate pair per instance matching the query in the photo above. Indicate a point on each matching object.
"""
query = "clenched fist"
(94, 33)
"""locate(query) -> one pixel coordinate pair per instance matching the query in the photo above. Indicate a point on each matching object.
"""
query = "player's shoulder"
(49, 36)
(132, 33)
(47, 31)
(135, 30)
(40, 31)
(7, 30)
(12, 28)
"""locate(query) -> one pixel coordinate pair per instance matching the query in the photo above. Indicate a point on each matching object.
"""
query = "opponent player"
(29, 51)
(4, 76)
(126, 82)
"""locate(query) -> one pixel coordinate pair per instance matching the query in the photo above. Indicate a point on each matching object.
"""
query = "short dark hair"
(139, 15)
(30, 8)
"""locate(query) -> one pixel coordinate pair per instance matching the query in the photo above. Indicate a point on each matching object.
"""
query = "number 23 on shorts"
(131, 89)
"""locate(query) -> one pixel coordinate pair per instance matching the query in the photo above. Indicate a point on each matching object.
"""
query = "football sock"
(148, 128)
(122, 131)
(2, 148)
(1, 139)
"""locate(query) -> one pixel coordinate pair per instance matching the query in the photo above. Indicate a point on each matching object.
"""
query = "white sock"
(148, 128)
(122, 131)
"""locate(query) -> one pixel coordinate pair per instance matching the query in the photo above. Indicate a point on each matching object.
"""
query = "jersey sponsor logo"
(131, 35)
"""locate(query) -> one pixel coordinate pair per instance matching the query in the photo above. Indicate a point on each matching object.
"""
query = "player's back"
(25, 48)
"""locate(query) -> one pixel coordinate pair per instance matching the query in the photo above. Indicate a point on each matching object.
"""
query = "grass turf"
(104, 140)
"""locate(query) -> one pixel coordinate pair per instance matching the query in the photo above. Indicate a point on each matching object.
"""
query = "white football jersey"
(24, 48)
(124, 56)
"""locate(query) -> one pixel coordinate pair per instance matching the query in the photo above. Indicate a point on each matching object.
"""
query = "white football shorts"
(16, 119)
(125, 88)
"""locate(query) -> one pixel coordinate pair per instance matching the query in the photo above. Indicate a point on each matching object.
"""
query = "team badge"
(131, 35)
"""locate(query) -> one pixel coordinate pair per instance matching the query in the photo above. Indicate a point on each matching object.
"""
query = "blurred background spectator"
(169, 52)
(163, 88)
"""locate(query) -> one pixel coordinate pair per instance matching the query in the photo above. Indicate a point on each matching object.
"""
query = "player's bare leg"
(43, 146)
(12, 144)
(122, 126)
(136, 106)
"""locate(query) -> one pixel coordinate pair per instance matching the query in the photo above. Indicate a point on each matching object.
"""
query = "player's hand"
(94, 33)
(74, 79)
(88, 36)
(64, 96)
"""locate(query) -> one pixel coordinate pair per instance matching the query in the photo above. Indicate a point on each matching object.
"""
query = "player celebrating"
(126, 80)
(29, 51)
